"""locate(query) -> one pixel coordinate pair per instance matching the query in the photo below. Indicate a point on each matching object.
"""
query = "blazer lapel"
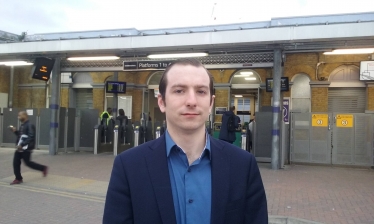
(159, 172)
(220, 181)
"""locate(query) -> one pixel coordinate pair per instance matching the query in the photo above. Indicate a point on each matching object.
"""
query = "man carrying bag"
(25, 145)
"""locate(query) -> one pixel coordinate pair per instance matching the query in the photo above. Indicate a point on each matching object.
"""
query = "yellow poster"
(320, 120)
(344, 120)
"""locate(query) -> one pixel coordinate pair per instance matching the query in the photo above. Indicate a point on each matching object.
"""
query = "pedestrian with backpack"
(230, 122)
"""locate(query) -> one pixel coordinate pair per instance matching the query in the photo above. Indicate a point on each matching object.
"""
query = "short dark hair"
(184, 61)
(121, 112)
(232, 108)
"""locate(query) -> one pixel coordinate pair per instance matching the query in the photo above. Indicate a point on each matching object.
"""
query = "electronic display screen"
(285, 86)
(115, 87)
(42, 68)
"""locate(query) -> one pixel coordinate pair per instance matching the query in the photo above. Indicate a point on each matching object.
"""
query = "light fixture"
(238, 95)
(250, 78)
(93, 58)
(182, 55)
(246, 73)
(351, 51)
(241, 75)
(15, 63)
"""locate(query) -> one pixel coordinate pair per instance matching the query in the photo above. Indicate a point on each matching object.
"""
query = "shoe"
(16, 182)
(45, 171)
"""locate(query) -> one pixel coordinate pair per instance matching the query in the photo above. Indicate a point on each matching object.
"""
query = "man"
(106, 115)
(25, 145)
(185, 176)
(225, 133)
(250, 132)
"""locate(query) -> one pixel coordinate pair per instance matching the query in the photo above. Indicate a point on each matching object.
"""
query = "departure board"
(115, 87)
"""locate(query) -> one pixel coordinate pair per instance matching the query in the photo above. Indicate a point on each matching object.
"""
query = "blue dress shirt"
(191, 184)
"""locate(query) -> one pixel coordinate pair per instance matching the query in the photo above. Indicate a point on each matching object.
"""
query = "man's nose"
(191, 98)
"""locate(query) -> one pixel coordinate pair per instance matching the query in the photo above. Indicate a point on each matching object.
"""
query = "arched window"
(154, 79)
(300, 93)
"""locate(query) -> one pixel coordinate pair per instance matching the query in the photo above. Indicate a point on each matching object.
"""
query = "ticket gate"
(122, 138)
(102, 145)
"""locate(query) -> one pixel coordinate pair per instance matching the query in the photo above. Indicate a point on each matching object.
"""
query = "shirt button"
(190, 201)
(189, 170)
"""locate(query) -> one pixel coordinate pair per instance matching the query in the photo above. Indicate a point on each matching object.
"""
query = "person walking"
(24, 146)
(230, 122)
(185, 176)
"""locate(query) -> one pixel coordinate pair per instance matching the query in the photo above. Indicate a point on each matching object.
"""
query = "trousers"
(26, 156)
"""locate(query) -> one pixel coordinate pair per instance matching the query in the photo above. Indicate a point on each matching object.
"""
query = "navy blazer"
(140, 192)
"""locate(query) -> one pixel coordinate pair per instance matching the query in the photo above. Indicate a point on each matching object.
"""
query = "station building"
(240, 57)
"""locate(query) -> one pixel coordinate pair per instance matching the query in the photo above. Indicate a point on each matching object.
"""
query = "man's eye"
(201, 92)
(178, 91)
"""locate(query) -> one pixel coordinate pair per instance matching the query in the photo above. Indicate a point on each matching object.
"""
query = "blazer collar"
(159, 174)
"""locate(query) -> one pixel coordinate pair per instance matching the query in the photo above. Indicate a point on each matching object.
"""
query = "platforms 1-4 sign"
(320, 120)
(344, 120)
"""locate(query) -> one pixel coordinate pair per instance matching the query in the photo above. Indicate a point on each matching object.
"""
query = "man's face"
(110, 111)
(21, 117)
(187, 98)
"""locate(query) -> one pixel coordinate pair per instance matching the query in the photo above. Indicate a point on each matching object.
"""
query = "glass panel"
(242, 76)
(247, 104)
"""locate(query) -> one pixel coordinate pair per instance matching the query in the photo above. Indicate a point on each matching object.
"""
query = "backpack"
(231, 123)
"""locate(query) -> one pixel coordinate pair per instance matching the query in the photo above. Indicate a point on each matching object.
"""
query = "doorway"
(150, 99)
(245, 93)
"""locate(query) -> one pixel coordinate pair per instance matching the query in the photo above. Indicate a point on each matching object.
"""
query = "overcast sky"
(48, 16)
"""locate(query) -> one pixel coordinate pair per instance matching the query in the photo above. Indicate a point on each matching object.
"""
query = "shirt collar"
(170, 144)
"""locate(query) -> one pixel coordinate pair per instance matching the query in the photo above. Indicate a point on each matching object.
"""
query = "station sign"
(344, 120)
(145, 65)
(115, 87)
(320, 120)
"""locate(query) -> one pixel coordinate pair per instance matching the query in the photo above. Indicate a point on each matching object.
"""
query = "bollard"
(158, 132)
(96, 138)
(115, 140)
(136, 136)
(244, 139)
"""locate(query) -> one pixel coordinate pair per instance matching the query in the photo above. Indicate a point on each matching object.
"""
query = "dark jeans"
(26, 156)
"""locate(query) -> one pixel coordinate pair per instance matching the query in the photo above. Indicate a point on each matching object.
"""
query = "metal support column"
(55, 107)
(11, 88)
(115, 98)
(277, 73)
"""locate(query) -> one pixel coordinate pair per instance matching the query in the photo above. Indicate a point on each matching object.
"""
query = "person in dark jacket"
(25, 144)
(122, 117)
(224, 133)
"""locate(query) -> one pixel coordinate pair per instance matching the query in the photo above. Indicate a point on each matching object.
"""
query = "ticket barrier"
(100, 145)
(244, 139)
(137, 132)
(122, 139)
(158, 132)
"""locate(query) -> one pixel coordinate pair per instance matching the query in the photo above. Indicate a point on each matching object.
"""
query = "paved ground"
(74, 191)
